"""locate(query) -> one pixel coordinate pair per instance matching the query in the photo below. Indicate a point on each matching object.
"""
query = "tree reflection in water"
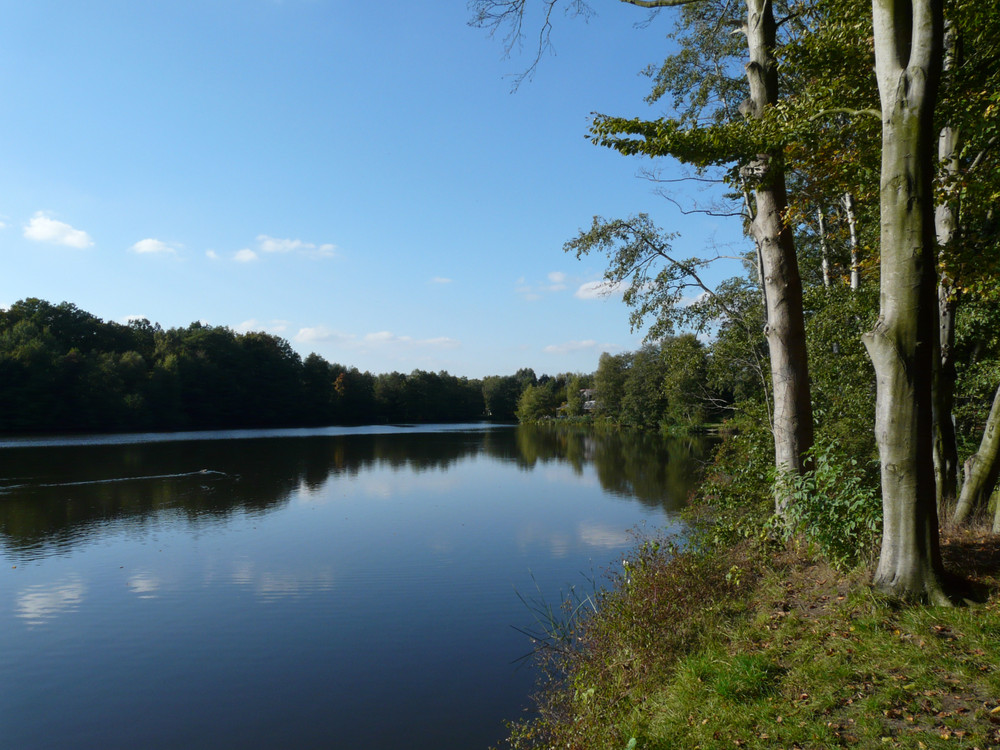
(58, 496)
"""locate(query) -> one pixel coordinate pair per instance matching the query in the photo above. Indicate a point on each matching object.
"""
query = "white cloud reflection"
(269, 585)
(42, 602)
(604, 536)
(144, 585)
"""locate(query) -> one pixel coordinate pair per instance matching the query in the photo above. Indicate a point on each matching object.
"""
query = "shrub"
(833, 508)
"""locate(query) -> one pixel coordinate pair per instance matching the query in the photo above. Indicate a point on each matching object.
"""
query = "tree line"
(64, 369)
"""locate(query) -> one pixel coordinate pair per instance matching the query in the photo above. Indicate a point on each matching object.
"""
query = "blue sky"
(357, 178)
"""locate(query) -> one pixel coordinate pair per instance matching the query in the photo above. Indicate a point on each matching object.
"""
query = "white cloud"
(151, 246)
(270, 244)
(246, 255)
(322, 334)
(274, 326)
(274, 245)
(3, 225)
(211, 255)
(385, 337)
(570, 346)
(378, 340)
(440, 280)
(600, 289)
(555, 282)
(688, 301)
(389, 339)
(42, 228)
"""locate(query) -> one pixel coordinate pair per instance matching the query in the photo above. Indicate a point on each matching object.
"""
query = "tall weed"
(832, 507)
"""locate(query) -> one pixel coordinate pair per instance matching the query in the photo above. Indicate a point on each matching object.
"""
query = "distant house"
(589, 398)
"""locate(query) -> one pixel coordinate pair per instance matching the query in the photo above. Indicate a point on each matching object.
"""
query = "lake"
(332, 588)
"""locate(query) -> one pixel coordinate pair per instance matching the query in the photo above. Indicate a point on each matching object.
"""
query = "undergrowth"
(787, 652)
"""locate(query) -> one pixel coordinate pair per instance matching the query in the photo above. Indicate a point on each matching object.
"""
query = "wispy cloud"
(558, 281)
(375, 341)
(273, 326)
(600, 289)
(571, 346)
(440, 280)
(151, 246)
(323, 335)
(43, 228)
(212, 255)
(389, 339)
(555, 281)
(268, 244)
(246, 255)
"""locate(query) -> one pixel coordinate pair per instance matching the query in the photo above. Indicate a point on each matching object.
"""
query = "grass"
(754, 648)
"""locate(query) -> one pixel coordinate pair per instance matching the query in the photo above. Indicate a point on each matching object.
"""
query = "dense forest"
(64, 369)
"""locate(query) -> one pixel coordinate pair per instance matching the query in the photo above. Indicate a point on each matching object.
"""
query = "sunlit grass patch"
(793, 655)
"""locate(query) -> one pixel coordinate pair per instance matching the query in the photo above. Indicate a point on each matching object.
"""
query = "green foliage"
(843, 379)
(574, 397)
(660, 386)
(539, 401)
(977, 346)
(644, 402)
(500, 395)
(63, 369)
(684, 382)
(609, 382)
(833, 507)
(735, 501)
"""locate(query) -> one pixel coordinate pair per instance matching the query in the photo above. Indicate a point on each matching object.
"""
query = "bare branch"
(660, 250)
(982, 154)
(659, 3)
(689, 211)
(847, 111)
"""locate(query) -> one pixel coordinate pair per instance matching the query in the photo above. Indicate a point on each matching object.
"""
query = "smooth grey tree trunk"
(825, 259)
(908, 51)
(947, 230)
(792, 422)
(981, 470)
(945, 440)
(852, 225)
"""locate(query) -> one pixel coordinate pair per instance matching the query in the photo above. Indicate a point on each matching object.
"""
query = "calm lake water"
(337, 588)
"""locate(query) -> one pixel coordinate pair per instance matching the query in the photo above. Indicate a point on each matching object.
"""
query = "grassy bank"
(756, 647)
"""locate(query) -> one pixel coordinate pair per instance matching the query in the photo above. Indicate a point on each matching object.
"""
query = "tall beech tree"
(908, 61)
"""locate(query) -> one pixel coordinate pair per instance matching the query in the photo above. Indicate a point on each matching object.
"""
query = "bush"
(833, 508)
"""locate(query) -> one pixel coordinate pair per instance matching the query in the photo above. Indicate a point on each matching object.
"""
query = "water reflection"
(54, 497)
(40, 603)
(644, 466)
(270, 591)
